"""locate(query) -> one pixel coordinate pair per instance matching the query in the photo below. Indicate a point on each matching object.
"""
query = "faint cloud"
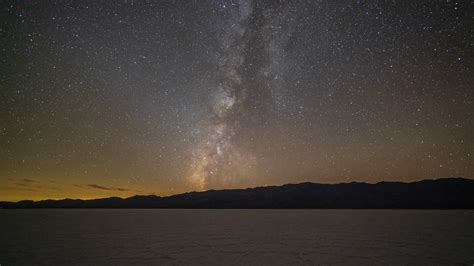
(108, 188)
(27, 183)
(27, 189)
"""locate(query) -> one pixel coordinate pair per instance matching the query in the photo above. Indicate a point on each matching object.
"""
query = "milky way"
(249, 65)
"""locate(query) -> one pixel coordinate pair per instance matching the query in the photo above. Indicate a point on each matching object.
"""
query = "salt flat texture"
(236, 237)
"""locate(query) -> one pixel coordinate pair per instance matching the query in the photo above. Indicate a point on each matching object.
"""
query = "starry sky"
(117, 98)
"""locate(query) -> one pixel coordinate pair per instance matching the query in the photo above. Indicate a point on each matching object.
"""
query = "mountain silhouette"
(445, 193)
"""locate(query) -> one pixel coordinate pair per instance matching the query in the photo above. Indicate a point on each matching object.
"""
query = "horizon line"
(256, 187)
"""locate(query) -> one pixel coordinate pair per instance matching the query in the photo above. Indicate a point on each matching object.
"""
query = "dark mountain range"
(446, 193)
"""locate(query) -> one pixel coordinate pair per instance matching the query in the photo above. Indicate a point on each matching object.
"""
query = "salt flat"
(236, 237)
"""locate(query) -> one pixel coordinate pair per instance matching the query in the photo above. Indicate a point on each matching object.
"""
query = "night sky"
(117, 98)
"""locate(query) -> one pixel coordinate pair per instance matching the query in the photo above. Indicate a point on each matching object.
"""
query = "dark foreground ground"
(236, 237)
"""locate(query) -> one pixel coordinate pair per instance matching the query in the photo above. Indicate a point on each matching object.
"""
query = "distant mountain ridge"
(445, 193)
